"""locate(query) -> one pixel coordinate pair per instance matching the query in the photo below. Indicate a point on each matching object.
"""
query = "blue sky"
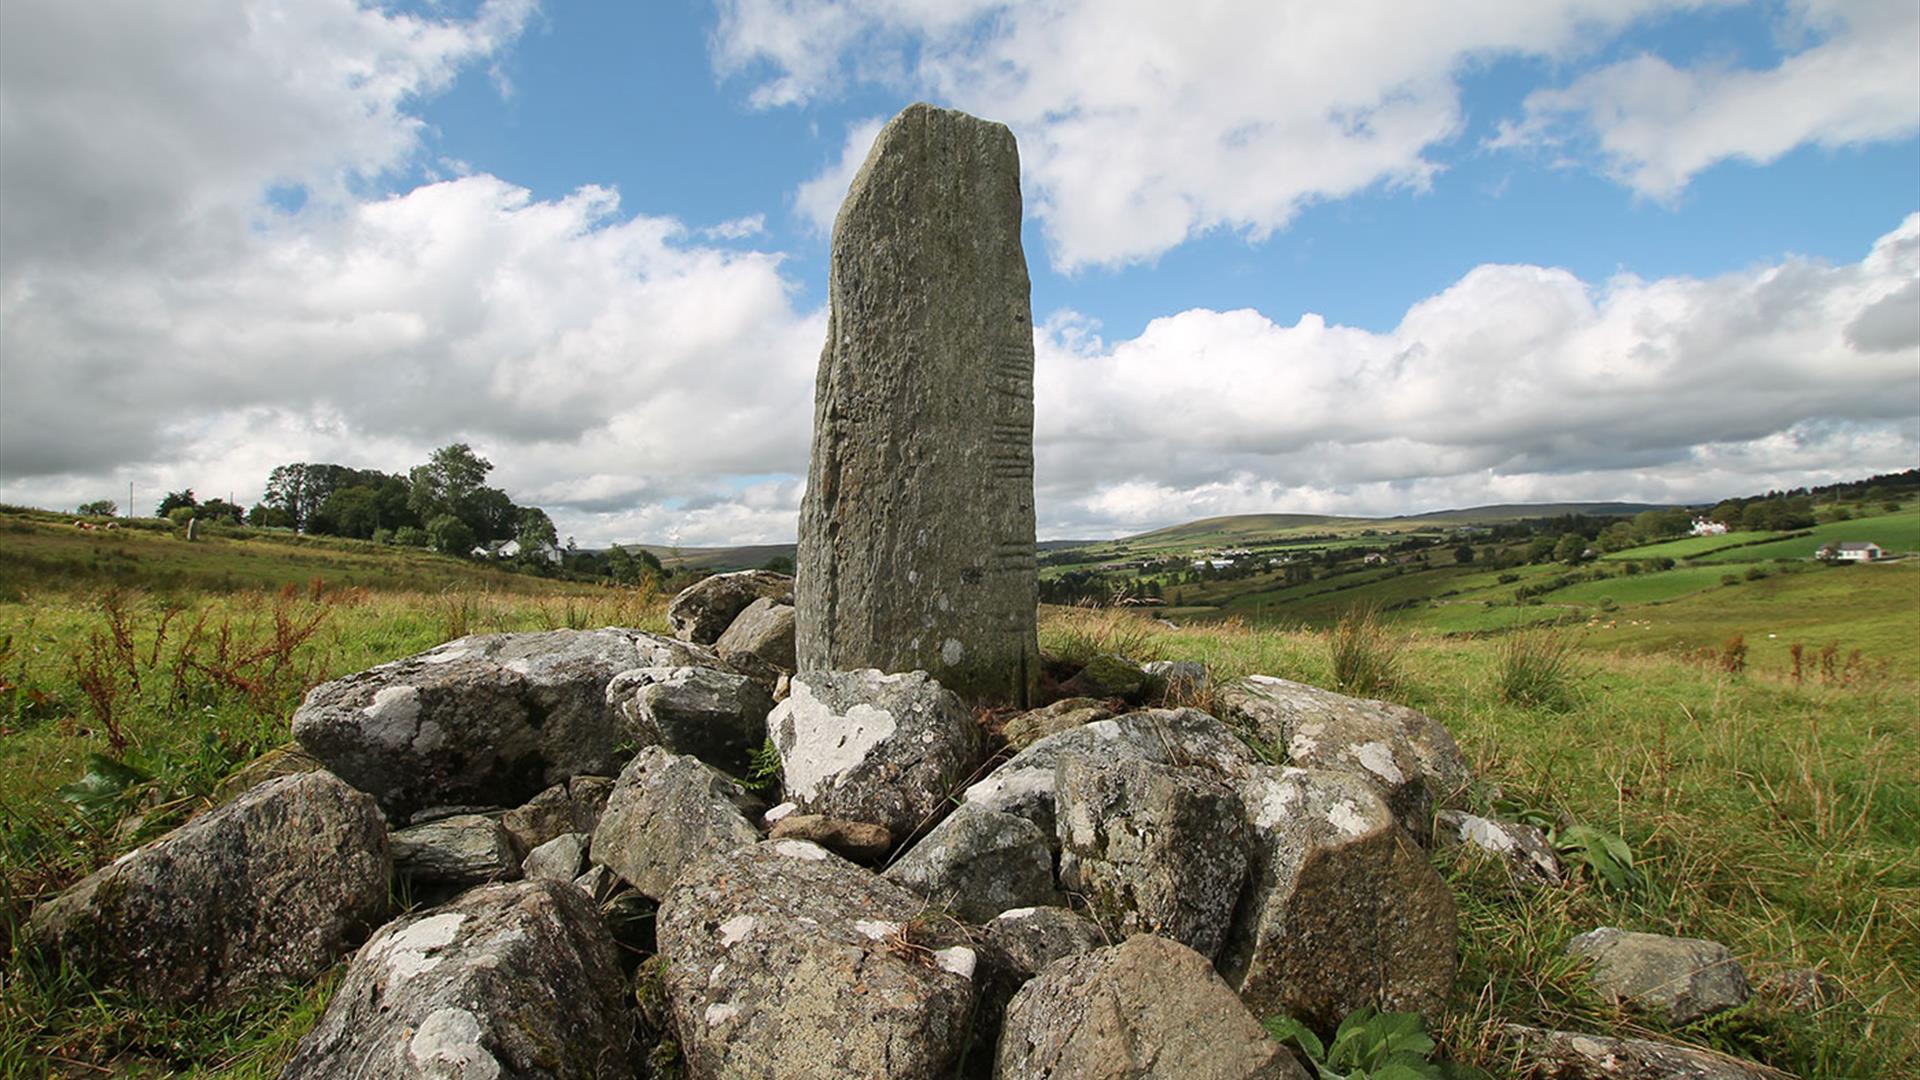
(1378, 259)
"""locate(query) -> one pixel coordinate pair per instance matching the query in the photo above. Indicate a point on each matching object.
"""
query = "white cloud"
(818, 200)
(740, 228)
(1143, 123)
(1517, 383)
(1657, 125)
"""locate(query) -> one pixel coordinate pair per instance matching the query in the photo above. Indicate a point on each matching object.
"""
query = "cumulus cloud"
(1657, 125)
(1517, 383)
(818, 200)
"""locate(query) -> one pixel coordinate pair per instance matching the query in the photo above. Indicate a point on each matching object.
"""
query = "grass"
(1537, 668)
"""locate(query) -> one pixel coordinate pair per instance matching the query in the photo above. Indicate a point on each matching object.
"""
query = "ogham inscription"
(917, 532)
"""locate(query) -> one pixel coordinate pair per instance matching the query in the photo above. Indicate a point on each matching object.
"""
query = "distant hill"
(751, 556)
(1491, 515)
(1238, 525)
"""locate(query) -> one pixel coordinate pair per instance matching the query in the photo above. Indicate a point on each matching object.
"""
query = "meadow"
(1774, 813)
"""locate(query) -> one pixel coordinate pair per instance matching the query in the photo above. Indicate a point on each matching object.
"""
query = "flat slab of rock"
(456, 852)
(271, 888)
(869, 746)
(1024, 784)
(488, 720)
(509, 980)
(1147, 1007)
(1157, 849)
(1342, 908)
(702, 611)
(1408, 754)
(1030, 727)
(857, 841)
(1529, 857)
(667, 810)
(1677, 979)
(916, 547)
(785, 961)
(978, 863)
(1573, 1055)
(716, 716)
(563, 858)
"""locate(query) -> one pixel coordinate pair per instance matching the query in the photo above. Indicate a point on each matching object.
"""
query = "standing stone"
(917, 533)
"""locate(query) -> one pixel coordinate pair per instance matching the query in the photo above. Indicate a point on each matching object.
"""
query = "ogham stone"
(917, 532)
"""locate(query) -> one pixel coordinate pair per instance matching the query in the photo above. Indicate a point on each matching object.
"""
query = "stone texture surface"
(1109, 676)
(1528, 856)
(760, 640)
(1408, 754)
(1033, 725)
(716, 716)
(1573, 1055)
(562, 858)
(1023, 785)
(702, 611)
(978, 863)
(666, 811)
(1342, 907)
(510, 980)
(873, 747)
(455, 852)
(1030, 938)
(574, 806)
(1147, 1007)
(271, 888)
(917, 531)
(1677, 979)
(491, 719)
(1178, 681)
(785, 961)
(1158, 849)
(859, 841)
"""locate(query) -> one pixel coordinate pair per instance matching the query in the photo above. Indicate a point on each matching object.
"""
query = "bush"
(411, 536)
(1365, 659)
(1756, 572)
(450, 536)
(180, 515)
(383, 536)
(1537, 668)
(1729, 579)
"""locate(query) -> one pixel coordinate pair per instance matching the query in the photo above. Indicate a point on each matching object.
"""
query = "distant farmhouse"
(1707, 527)
(1850, 553)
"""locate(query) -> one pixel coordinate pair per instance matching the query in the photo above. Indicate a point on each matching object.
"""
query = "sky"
(1362, 258)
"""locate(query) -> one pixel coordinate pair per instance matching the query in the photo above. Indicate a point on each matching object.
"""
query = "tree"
(446, 481)
(220, 510)
(348, 511)
(99, 508)
(174, 501)
(1569, 548)
(1616, 537)
(262, 516)
(450, 536)
(536, 535)
(1463, 554)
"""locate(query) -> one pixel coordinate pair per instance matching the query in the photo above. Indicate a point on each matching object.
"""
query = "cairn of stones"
(917, 533)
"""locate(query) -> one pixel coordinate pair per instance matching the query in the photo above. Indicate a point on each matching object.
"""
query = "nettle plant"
(1370, 1045)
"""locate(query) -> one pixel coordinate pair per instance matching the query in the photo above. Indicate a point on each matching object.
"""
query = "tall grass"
(1365, 657)
(1537, 668)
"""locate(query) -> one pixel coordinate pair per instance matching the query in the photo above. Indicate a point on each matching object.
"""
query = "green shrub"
(1537, 668)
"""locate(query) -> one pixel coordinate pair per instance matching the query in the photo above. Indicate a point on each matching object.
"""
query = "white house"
(1850, 552)
(1706, 527)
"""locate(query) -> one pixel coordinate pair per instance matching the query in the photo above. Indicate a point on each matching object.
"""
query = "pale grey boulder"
(453, 853)
(271, 888)
(875, 747)
(489, 720)
(516, 979)
(1033, 725)
(667, 810)
(1411, 757)
(859, 841)
(1679, 980)
(1342, 907)
(916, 547)
(1024, 784)
(760, 640)
(716, 716)
(1146, 1008)
(1156, 849)
(702, 611)
(978, 863)
(574, 806)
(1575, 1055)
(1529, 857)
(563, 858)
(783, 960)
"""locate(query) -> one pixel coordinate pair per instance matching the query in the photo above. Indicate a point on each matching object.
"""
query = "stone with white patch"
(782, 965)
(667, 810)
(716, 716)
(874, 747)
(487, 720)
(978, 863)
(1408, 755)
(1342, 908)
(1529, 857)
(514, 979)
